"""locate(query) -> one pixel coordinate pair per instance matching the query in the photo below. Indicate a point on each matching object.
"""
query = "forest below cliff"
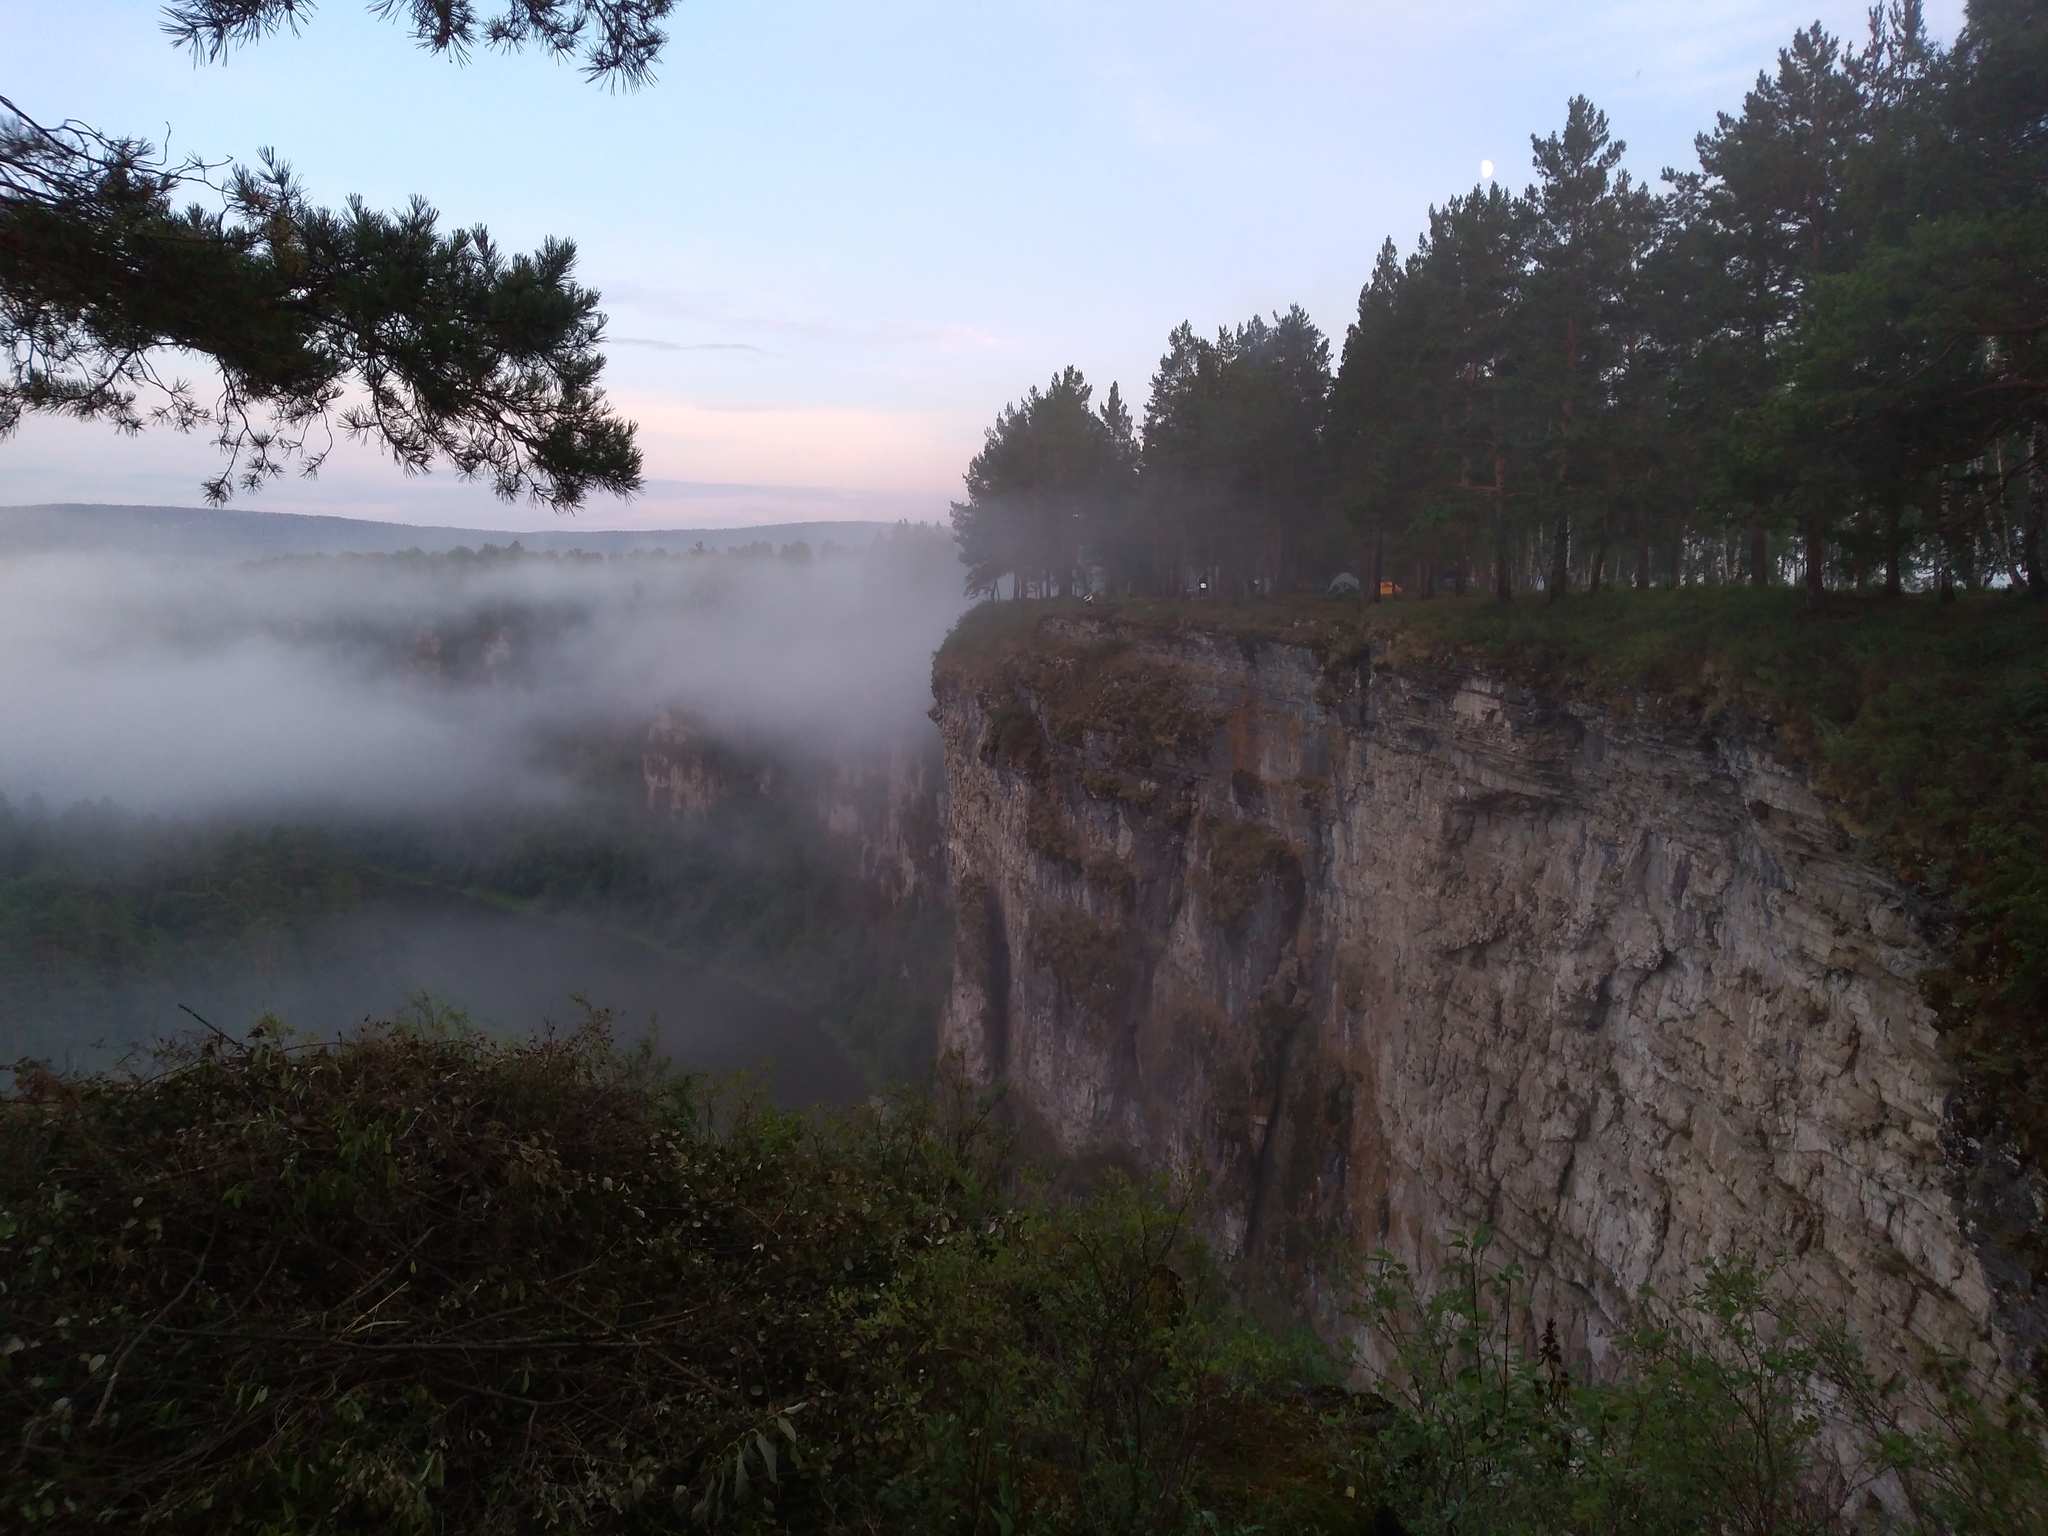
(1817, 355)
(324, 787)
(744, 940)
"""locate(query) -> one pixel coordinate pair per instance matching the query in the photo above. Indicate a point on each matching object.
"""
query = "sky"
(833, 240)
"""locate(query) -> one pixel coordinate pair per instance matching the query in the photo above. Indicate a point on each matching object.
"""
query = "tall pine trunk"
(1560, 558)
(1759, 555)
(1945, 576)
(1969, 529)
(2037, 579)
(1503, 572)
(1816, 559)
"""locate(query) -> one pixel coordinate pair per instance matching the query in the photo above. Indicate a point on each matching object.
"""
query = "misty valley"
(337, 789)
(1425, 915)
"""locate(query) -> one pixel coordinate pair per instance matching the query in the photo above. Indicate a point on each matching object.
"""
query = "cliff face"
(880, 807)
(1386, 956)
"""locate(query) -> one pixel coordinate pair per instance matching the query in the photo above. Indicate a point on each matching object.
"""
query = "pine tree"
(1047, 469)
(437, 346)
(1590, 225)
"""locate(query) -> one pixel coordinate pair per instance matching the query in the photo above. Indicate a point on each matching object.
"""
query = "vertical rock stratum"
(1380, 955)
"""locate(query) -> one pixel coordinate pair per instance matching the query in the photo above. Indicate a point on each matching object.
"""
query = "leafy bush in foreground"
(425, 1281)
(422, 1281)
(1747, 1413)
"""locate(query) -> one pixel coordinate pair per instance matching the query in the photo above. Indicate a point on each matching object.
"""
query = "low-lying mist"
(322, 786)
(407, 681)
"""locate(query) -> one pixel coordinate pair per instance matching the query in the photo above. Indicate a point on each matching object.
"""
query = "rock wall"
(879, 805)
(1386, 955)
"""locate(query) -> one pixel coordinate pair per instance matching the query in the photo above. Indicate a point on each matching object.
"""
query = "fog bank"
(383, 683)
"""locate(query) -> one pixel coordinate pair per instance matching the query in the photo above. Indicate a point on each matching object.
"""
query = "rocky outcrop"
(1386, 955)
(879, 805)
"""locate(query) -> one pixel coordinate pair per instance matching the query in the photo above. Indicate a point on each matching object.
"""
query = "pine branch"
(619, 40)
(434, 345)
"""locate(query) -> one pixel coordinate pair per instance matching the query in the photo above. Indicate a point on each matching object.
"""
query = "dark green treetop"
(1045, 467)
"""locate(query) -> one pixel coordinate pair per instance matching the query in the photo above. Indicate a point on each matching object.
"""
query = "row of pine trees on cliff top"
(1820, 356)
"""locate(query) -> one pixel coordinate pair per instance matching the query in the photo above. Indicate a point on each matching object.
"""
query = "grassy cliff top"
(1924, 724)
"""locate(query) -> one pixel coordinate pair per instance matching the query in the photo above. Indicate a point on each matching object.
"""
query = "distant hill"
(206, 533)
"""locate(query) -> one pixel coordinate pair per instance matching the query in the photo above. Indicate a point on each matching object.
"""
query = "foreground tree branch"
(618, 40)
(433, 345)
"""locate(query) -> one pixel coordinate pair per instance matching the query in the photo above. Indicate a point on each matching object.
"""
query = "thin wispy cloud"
(652, 299)
(684, 346)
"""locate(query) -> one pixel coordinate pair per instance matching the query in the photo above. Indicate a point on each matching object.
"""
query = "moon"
(1486, 170)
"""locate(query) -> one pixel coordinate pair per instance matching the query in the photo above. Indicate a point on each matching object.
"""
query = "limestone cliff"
(1386, 954)
(878, 805)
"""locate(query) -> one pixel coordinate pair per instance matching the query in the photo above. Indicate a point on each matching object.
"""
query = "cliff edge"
(1379, 953)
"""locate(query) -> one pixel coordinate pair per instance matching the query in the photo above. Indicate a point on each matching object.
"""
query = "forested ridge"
(1820, 355)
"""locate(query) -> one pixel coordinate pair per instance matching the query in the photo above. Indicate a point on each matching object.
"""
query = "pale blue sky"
(834, 239)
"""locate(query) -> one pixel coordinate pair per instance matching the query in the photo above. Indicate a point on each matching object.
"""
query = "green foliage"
(1231, 456)
(104, 916)
(1744, 1413)
(421, 1281)
(618, 39)
(1051, 467)
(1821, 350)
(94, 905)
(753, 891)
(459, 352)
(456, 352)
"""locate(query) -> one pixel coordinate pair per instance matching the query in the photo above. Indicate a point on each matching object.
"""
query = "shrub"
(420, 1281)
(1245, 862)
(423, 1281)
(1094, 961)
(1747, 1413)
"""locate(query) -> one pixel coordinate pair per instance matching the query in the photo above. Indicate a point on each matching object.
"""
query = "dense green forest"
(421, 1282)
(109, 922)
(1821, 354)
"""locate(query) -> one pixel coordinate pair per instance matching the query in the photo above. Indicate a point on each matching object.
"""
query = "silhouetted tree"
(436, 346)
(1829, 339)
(1232, 450)
(1047, 471)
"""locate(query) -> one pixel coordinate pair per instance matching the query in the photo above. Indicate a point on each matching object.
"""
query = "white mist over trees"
(407, 682)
